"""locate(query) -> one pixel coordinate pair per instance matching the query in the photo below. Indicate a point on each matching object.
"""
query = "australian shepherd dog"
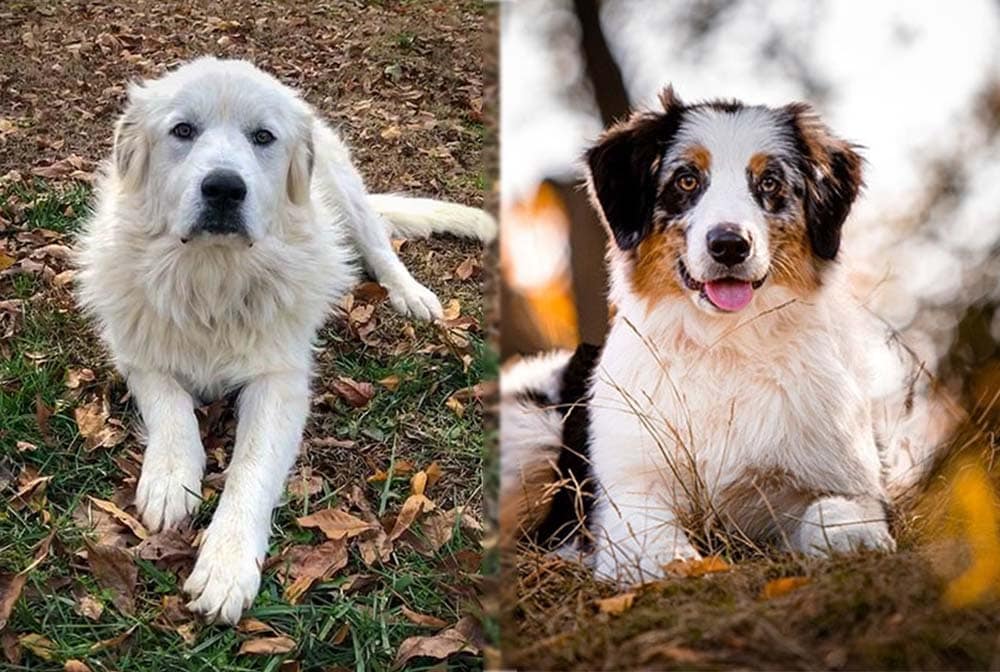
(737, 377)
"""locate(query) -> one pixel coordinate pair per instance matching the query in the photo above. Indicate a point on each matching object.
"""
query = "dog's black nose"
(223, 188)
(727, 245)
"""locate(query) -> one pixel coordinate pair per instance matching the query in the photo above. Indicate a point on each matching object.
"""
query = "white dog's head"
(216, 148)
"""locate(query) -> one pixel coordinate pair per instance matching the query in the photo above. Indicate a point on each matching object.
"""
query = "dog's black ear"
(624, 167)
(833, 174)
(130, 156)
(300, 167)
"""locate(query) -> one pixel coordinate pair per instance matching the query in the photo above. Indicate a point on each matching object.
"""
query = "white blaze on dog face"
(226, 147)
(717, 201)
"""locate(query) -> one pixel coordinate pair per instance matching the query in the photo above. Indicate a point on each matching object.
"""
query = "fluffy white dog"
(225, 228)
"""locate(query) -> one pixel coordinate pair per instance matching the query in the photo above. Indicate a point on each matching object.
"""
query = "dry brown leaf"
(92, 419)
(412, 507)
(267, 646)
(114, 570)
(126, 519)
(336, 523)
(423, 619)
(303, 484)
(710, 565)
(6, 261)
(461, 638)
(439, 528)
(252, 626)
(452, 310)
(77, 377)
(457, 407)
(782, 586)
(618, 604)
(42, 414)
(466, 269)
(11, 586)
(433, 474)
(390, 383)
(113, 642)
(418, 484)
(43, 647)
(308, 564)
(370, 292)
(168, 546)
(74, 665)
(88, 607)
(355, 393)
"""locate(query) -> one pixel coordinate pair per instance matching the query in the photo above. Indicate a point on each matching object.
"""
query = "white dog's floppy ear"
(131, 146)
(300, 167)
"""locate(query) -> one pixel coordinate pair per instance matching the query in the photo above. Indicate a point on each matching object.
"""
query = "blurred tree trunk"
(588, 238)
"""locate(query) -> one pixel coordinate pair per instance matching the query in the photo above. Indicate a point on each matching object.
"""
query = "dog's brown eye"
(263, 137)
(768, 185)
(686, 182)
(183, 130)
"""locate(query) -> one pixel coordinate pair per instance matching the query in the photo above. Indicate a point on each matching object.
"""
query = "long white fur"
(191, 321)
(687, 401)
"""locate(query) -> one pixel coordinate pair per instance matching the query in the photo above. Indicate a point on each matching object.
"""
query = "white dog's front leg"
(169, 488)
(272, 414)
(636, 535)
(370, 234)
(842, 525)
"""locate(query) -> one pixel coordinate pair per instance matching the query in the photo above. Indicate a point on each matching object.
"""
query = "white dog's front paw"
(226, 577)
(627, 566)
(415, 300)
(840, 525)
(168, 492)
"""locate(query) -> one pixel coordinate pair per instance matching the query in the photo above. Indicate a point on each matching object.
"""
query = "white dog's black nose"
(728, 245)
(223, 188)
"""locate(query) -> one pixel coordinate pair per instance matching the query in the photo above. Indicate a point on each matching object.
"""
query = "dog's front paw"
(226, 577)
(414, 300)
(839, 525)
(625, 566)
(168, 492)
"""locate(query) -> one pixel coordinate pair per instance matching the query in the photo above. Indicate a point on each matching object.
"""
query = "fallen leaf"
(461, 638)
(74, 665)
(370, 292)
(390, 382)
(466, 269)
(113, 642)
(114, 570)
(418, 484)
(126, 519)
(252, 626)
(88, 607)
(618, 604)
(267, 646)
(303, 484)
(6, 261)
(355, 393)
(710, 565)
(42, 414)
(423, 619)
(433, 474)
(11, 586)
(308, 564)
(782, 586)
(92, 419)
(336, 523)
(439, 528)
(452, 310)
(77, 377)
(43, 647)
(412, 507)
(167, 546)
(457, 407)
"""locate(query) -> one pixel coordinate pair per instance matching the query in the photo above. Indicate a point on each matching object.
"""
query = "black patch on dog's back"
(573, 502)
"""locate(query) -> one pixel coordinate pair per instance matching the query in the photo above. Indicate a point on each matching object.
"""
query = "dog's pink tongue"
(729, 295)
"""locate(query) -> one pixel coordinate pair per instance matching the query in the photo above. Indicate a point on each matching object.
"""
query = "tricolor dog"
(226, 226)
(737, 375)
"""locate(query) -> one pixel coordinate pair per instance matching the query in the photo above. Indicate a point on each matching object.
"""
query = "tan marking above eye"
(758, 163)
(686, 182)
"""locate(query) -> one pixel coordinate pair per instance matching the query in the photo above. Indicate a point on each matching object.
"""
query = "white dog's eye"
(263, 137)
(183, 130)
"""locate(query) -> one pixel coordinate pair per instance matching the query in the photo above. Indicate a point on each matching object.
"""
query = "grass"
(352, 628)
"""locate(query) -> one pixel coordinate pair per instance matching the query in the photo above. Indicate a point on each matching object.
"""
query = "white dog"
(225, 228)
(739, 377)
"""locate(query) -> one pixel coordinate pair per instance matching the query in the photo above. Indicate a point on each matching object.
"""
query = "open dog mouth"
(727, 294)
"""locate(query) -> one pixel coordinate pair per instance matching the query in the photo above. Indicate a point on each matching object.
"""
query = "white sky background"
(898, 77)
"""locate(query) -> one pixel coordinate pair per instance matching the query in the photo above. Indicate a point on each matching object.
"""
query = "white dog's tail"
(423, 217)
